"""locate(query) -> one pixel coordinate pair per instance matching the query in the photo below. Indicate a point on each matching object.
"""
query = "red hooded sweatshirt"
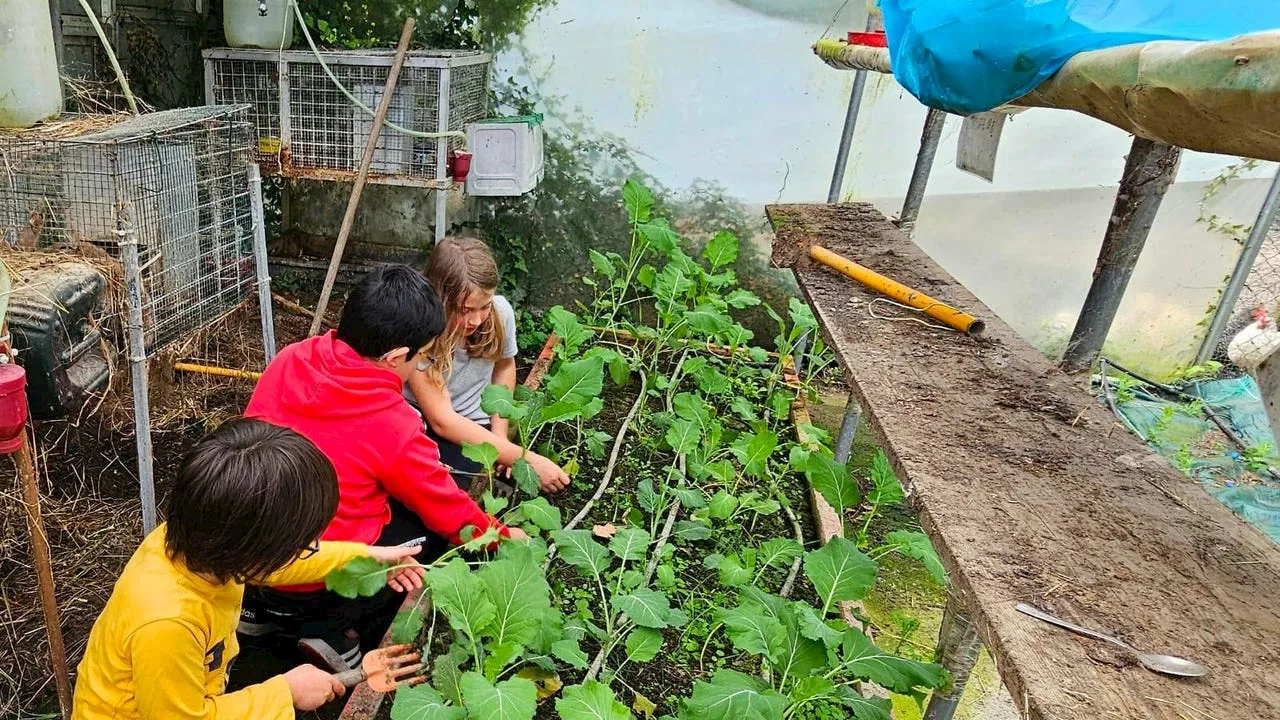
(355, 413)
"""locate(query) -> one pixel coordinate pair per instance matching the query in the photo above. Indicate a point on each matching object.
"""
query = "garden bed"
(681, 573)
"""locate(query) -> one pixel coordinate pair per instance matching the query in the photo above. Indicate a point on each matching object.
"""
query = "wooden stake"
(357, 189)
(44, 572)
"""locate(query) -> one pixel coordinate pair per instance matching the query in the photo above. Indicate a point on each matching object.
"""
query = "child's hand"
(403, 579)
(516, 533)
(553, 478)
(312, 687)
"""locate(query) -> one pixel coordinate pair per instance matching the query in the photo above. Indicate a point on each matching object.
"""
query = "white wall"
(729, 90)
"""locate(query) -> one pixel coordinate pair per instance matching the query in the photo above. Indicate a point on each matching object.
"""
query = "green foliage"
(731, 695)
(839, 572)
(485, 454)
(362, 577)
(488, 24)
(591, 701)
(514, 699)
(833, 481)
(1257, 457)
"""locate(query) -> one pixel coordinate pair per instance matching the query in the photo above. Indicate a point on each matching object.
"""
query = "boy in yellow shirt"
(247, 506)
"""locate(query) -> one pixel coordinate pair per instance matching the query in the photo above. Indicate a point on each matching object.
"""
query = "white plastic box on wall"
(506, 156)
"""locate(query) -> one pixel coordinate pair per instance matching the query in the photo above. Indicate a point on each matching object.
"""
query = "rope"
(922, 310)
(297, 11)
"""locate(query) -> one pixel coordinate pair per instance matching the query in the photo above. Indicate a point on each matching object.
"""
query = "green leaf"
(474, 541)
(580, 549)
(758, 355)
(638, 200)
(601, 263)
(461, 596)
(722, 505)
(833, 480)
(801, 315)
(814, 627)
(571, 654)
(643, 644)
(733, 573)
(577, 382)
(569, 329)
(658, 233)
(753, 451)
(520, 596)
(916, 545)
(754, 502)
(812, 688)
(527, 480)
(682, 436)
(797, 655)
(647, 497)
(691, 531)
(407, 626)
(886, 490)
(362, 577)
(779, 552)
(752, 631)
(731, 695)
(690, 497)
(899, 675)
(423, 702)
(514, 699)
(446, 672)
(723, 470)
(647, 608)
(743, 408)
(708, 319)
(485, 454)
(666, 577)
(713, 382)
(721, 250)
(839, 571)
(494, 504)
(596, 442)
(630, 543)
(670, 287)
(780, 403)
(741, 299)
(864, 708)
(691, 407)
(591, 700)
(498, 400)
(500, 656)
(646, 276)
(542, 513)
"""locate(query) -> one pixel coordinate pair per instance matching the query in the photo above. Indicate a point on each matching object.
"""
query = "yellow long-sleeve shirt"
(161, 648)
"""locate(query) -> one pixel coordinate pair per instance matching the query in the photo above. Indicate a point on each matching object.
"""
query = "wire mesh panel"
(178, 177)
(308, 127)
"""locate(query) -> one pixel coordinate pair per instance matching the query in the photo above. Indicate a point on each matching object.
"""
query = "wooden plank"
(1031, 492)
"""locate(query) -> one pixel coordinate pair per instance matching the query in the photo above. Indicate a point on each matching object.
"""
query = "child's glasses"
(309, 550)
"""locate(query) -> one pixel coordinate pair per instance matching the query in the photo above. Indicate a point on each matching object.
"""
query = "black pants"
(327, 615)
(464, 469)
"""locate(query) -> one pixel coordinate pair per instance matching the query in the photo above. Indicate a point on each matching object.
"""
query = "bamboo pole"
(348, 219)
(895, 290)
(215, 370)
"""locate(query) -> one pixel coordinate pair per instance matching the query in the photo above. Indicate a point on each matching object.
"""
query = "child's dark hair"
(248, 499)
(392, 307)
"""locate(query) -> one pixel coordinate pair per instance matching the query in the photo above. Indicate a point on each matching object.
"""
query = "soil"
(90, 506)
(1032, 492)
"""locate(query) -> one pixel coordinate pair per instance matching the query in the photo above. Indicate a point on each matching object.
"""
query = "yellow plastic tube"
(898, 292)
(219, 371)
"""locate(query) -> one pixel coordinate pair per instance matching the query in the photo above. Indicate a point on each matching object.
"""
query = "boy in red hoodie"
(343, 391)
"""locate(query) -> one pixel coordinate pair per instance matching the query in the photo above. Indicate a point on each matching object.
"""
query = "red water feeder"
(459, 165)
(13, 407)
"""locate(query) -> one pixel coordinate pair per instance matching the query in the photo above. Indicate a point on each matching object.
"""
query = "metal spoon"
(1167, 664)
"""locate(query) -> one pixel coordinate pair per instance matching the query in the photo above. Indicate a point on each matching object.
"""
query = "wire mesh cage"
(177, 178)
(308, 127)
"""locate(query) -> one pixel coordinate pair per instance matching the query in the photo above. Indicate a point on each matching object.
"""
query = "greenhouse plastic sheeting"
(1179, 431)
(968, 56)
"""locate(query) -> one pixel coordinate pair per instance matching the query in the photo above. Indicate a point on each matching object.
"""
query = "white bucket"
(30, 87)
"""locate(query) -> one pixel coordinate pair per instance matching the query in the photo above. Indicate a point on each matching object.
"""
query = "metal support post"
(934, 122)
(258, 218)
(958, 648)
(1148, 172)
(1244, 264)
(127, 230)
(846, 136)
(442, 158)
(848, 429)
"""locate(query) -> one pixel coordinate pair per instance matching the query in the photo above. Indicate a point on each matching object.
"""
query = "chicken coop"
(170, 196)
(312, 112)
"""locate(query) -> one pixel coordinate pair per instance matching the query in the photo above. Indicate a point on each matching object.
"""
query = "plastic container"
(246, 27)
(55, 338)
(13, 407)
(506, 156)
(30, 87)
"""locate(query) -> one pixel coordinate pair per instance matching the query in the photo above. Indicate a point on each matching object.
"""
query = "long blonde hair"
(458, 267)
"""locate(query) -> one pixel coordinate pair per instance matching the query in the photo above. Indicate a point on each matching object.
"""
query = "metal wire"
(182, 173)
(323, 130)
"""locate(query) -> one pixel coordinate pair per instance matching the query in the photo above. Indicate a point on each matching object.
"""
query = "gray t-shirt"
(470, 376)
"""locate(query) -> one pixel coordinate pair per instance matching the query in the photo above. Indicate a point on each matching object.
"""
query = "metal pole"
(442, 158)
(260, 262)
(138, 362)
(1244, 265)
(848, 429)
(1148, 172)
(958, 648)
(934, 121)
(846, 137)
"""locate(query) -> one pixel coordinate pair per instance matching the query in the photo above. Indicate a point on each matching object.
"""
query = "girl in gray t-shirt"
(483, 329)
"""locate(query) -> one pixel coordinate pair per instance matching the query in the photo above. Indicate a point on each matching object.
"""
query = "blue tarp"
(967, 56)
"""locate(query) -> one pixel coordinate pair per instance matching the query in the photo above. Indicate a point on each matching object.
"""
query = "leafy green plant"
(1257, 457)
(1125, 390)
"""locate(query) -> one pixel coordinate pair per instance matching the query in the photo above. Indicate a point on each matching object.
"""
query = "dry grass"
(88, 469)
